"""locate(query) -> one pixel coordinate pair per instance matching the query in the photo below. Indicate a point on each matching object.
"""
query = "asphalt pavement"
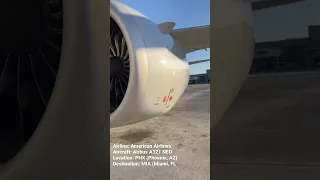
(186, 128)
(271, 131)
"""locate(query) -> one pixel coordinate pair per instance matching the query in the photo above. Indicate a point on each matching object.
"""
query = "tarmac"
(186, 128)
(271, 131)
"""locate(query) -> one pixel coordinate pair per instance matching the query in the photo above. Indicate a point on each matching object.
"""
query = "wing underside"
(193, 39)
(198, 61)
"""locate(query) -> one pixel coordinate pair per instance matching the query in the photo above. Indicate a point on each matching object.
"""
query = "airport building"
(288, 54)
(286, 40)
(200, 78)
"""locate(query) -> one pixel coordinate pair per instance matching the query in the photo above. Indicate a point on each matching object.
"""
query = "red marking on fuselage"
(164, 99)
(168, 98)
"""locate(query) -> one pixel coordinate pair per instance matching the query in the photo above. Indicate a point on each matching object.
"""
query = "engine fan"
(30, 50)
(119, 66)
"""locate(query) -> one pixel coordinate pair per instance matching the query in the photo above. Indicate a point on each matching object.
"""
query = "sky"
(185, 13)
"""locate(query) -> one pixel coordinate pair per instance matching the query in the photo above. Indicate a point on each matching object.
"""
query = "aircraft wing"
(263, 4)
(191, 39)
(198, 61)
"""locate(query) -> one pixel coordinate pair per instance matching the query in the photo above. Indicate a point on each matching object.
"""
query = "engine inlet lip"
(114, 15)
(126, 19)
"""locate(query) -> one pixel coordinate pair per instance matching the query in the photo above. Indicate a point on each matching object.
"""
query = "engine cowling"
(155, 72)
(232, 48)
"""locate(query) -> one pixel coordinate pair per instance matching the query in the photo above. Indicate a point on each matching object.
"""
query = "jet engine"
(148, 71)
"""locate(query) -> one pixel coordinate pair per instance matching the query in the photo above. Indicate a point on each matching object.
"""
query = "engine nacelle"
(158, 73)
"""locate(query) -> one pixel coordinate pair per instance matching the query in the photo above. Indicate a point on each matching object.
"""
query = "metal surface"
(156, 68)
(232, 48)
